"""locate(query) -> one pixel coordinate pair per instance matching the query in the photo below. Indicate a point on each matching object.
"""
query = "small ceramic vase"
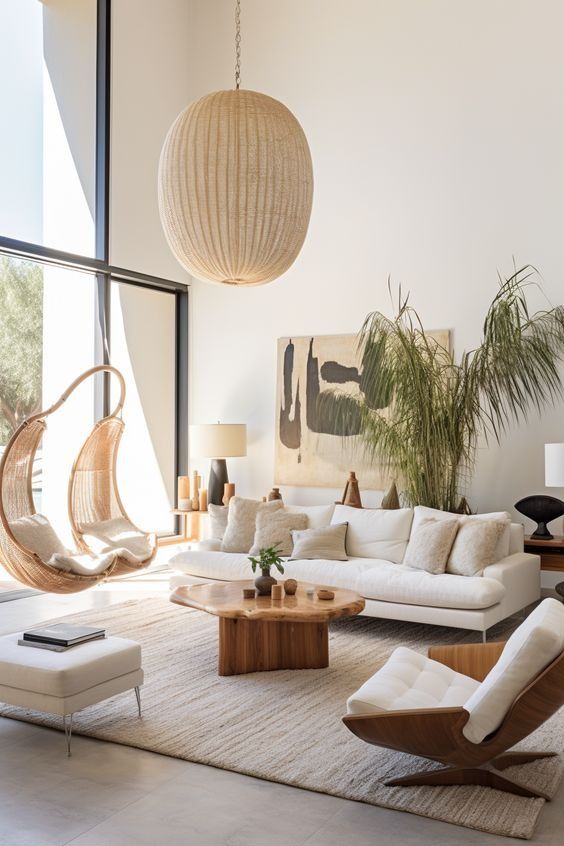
(264, 583)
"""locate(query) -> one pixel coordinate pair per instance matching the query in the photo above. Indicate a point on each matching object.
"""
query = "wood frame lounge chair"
(446, 734)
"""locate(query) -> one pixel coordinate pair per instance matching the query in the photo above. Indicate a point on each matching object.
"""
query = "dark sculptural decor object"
(542, 509)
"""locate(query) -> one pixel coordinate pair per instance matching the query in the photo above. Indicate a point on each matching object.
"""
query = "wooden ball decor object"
(290, 587)
(235, 184)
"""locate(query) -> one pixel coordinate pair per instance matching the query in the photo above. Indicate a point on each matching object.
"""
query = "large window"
(63, 306)
(41, 352)
(143, 348)
(48, 138)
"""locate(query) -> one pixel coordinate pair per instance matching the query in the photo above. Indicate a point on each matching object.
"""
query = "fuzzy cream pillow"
(326, 544)
(218, 520)
(430, 543)
(475, 546)
(276, 530)
(241, 522)
(36, 533)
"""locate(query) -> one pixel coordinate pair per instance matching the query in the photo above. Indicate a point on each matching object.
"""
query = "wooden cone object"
(351, 494)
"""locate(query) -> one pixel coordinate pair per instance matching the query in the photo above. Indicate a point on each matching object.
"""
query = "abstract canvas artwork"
(309, 451)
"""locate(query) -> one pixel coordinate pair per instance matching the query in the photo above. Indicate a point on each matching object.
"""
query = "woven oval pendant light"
(235, 186)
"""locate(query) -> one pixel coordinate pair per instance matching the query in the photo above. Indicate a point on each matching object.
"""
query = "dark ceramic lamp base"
(217, 481)
(542, 531)
(542, 509)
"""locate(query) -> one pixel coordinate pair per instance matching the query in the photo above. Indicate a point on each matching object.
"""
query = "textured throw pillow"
(218, 520)
(241, 522)
(325, 544)
(475, 546)
(37, 534)
(276, 530)
(420, 512)
(430, 544)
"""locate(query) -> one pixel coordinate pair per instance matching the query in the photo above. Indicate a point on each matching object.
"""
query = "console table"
(551, 551)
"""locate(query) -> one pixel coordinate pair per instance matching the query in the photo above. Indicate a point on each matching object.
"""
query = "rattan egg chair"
(94, 499)
(16, 502)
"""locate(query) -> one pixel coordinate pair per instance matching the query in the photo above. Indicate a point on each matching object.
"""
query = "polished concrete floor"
(110, 795)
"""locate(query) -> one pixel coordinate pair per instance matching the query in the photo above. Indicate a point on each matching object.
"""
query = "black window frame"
(100, 266)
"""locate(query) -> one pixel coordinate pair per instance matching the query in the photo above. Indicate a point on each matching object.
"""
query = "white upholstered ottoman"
(64, 682)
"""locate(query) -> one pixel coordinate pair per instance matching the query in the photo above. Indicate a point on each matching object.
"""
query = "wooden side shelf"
(551, 551)
(190, 529)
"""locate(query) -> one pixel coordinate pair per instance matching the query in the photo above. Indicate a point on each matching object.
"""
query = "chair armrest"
(470, 659)
(428, 732)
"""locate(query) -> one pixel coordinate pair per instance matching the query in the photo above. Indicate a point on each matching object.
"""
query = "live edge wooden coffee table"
(268, 634)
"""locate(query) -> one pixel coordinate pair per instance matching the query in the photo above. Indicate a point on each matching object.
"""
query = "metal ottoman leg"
(68, 733)
(138, 697)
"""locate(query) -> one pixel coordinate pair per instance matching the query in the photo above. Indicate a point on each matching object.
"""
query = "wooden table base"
(251, 646)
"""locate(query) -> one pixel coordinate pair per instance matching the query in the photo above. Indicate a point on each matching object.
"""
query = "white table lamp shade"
(554, 465)
(218, 440)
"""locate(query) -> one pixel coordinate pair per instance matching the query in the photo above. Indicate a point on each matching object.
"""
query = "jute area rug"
(286, 726)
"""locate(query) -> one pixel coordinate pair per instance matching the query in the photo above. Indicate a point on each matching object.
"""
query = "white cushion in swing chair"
(119, 537)
(82, 564)
(36, 533)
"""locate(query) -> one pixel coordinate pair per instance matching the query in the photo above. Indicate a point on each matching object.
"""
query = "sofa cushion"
(390, 583)
(318, 516)
(411, 680)
(276, 530)
(321, 544)
(531, 648)
(430, 544)
(228, 566)
(371, 577)
(241, 522)
(503, 544)
(474, 547)
(64, 674)
(375, 532)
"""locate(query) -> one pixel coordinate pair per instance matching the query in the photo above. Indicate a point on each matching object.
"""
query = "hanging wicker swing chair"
(97, 516)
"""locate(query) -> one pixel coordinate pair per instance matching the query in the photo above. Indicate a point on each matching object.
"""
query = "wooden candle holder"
(277, 592)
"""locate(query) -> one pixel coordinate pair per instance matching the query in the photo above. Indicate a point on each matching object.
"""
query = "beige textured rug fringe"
(286, 726)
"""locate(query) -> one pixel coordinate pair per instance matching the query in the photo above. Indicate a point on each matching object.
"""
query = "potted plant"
(420, 412)
(267, 558)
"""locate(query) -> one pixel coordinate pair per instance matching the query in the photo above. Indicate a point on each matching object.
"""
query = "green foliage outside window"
(21, 342)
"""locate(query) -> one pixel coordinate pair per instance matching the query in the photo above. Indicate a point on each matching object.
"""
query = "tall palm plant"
(421, 413)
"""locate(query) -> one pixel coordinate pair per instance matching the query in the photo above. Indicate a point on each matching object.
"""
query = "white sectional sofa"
(376, 544)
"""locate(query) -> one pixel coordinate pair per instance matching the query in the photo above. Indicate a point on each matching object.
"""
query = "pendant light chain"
(237, 44)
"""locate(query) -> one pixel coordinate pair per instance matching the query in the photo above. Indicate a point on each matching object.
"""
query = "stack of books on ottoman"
(60, 636)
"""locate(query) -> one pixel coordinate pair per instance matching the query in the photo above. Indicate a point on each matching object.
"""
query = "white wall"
(436, 130)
